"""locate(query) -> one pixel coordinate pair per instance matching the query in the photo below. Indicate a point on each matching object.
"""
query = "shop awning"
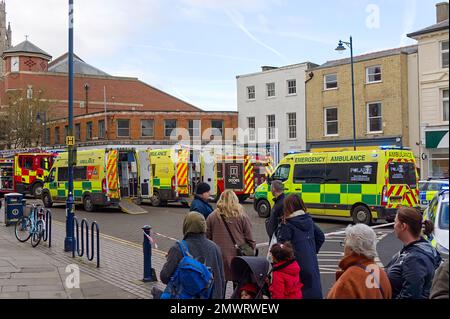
(436, 139)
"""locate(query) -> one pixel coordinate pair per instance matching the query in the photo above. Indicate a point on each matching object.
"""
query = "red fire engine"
(25, 173)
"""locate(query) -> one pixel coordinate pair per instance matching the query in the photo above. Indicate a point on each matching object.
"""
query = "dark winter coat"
(201, 206)
(205, 251)
(306, 238)
(275, 215)
(411, 270)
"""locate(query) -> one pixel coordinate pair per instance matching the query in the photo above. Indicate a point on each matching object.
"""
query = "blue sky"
(194, 49)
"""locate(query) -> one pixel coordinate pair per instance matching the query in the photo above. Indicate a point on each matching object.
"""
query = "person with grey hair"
(273, 221)
(360, 277)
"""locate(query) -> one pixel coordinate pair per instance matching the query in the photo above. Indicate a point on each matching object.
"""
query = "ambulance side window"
(63, 174)
(309, 173)
(282, 173)
(80, 173)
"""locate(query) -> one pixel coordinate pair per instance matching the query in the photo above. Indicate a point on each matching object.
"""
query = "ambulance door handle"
(297, 189)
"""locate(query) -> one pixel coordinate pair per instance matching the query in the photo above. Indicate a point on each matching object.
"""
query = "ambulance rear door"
(145, 175)
(208, 173)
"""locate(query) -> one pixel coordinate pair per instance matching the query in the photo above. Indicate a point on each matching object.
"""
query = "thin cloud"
(408, 20)
(221, 56)
(235, 17)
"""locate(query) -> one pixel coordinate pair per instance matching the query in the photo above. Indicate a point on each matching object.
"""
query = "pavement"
(30, 273)
(40, 272)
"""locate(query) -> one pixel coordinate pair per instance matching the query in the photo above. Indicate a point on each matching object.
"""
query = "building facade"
(433, 72)
(381, 101)
(271, 107)
(106, 108)
(145, 128)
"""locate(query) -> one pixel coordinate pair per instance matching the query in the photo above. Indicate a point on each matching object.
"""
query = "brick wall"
(230, 120)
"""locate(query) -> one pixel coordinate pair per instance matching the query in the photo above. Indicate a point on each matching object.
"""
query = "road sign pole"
(69, 240)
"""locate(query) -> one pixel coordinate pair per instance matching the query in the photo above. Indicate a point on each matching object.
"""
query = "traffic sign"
(70, 140)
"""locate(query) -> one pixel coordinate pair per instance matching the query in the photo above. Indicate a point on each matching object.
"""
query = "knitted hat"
(202, 188)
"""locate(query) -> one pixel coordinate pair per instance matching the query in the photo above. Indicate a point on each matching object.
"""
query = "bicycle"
(32, 226)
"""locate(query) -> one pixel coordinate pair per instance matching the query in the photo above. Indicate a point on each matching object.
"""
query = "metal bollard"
(149, 272)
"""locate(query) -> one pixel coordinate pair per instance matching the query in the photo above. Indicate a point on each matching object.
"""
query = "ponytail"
(427, 227)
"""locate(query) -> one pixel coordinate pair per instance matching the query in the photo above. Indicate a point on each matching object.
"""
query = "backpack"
(191, 279)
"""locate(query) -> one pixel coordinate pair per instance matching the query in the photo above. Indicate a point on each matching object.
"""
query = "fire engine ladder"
(128, 206)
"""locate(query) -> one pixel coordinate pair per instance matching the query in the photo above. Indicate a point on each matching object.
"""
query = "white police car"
(429, 188)
(437, 212)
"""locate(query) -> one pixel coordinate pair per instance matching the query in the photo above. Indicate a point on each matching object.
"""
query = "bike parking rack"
(47, 236)
(85, 239)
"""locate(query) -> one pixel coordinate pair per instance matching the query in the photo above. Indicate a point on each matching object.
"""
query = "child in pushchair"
(250, 273)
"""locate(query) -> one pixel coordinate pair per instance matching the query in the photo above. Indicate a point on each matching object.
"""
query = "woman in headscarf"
(201, 248)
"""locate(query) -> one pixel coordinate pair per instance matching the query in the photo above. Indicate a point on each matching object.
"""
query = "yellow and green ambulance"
(101, 177)
(169, 176)
(365, 185)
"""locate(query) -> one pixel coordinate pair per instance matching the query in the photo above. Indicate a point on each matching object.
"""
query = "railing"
(85, 239)
(47, 236)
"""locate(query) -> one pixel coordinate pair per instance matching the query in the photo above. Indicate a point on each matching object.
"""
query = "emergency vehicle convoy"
(25, 173)
(364, 185)
(121, 177)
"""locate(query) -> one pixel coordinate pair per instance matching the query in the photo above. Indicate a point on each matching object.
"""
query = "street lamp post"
(69, 240)
(341, 47)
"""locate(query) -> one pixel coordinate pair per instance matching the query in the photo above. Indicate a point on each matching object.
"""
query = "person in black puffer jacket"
(411, 270)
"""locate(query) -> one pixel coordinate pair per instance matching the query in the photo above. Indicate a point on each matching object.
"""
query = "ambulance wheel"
(263, 208)
(47, 200)
(362, 215)
(37, 190)
(156, 199)
(88, 205)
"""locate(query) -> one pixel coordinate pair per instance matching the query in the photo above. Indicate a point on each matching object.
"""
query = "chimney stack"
(268, 68)
(441, 11)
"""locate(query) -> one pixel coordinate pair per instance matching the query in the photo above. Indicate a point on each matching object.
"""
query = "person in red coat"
(285, 273)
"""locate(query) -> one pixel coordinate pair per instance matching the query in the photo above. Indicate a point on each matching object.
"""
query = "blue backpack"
(191, 279)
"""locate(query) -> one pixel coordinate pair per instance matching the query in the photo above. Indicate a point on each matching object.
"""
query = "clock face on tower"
(15, 64)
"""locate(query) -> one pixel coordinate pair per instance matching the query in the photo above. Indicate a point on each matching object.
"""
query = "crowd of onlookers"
(214, 237)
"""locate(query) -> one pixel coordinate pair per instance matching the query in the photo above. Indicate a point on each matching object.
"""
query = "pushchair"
(245, 270)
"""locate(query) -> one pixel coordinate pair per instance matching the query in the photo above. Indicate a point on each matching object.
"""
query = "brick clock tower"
(25, 57)
(5, 34)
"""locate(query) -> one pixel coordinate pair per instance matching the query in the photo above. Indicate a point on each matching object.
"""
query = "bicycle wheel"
(37, 234)
(23, 227)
